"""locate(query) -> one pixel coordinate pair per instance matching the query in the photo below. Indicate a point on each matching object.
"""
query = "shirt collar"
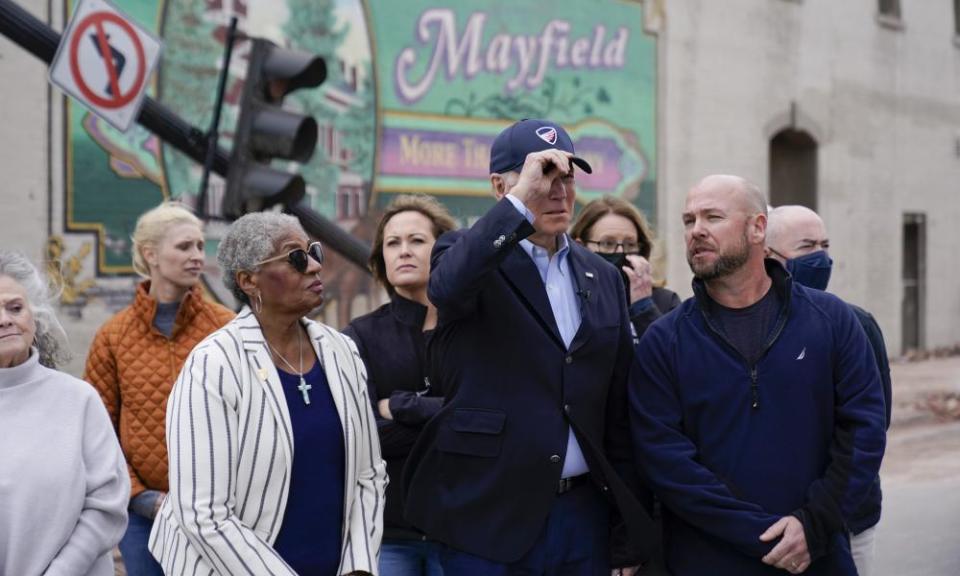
(535, 251)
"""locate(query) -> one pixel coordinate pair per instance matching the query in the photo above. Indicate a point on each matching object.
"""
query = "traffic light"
(265, 130)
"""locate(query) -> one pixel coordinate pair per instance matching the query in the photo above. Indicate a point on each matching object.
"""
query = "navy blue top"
(310, 537)
(748, 329)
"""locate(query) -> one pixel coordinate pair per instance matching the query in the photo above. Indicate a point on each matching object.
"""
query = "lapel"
(263, 373)
(584, 275)
(520, 271)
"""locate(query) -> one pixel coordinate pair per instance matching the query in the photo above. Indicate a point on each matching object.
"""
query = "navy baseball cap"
(510, 148)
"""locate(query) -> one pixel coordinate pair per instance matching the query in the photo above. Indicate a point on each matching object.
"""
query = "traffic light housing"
(266, 131)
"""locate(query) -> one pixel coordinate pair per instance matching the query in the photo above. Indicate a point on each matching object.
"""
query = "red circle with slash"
(117, 99)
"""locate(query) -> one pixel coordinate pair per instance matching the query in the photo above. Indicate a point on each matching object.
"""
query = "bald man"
(797, 238)
(756, 410)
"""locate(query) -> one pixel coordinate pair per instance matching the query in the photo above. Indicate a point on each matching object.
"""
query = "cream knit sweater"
(63, 479)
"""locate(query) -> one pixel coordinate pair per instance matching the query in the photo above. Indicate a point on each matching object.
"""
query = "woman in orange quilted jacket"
(137, 355)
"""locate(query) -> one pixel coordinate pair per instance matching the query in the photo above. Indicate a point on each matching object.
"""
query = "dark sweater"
(310, 537)
(392, 344)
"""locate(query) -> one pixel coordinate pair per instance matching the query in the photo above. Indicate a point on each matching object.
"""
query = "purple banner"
(431, 154)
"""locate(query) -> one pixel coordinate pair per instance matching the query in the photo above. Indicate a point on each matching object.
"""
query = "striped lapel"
(262, 372)
(332, 366)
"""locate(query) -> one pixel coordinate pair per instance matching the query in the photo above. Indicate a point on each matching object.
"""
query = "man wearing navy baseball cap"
(528, 463)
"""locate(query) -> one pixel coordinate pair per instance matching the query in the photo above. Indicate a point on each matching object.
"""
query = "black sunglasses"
(298, 257)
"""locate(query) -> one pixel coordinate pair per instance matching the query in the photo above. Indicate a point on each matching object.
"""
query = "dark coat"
(869, 512)
(392, 345)
(483, 475)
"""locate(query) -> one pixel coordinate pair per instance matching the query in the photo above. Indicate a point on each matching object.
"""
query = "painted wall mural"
(416, 92)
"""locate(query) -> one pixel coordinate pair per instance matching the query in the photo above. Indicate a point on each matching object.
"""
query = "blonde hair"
(153, 225)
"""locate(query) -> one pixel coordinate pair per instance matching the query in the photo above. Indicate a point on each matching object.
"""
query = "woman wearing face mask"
(617, 231)
(391, 341)
(63, 481)
(275, 466)
(136, 356)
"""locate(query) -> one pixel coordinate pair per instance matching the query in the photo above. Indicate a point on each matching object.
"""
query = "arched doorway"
(793, 169)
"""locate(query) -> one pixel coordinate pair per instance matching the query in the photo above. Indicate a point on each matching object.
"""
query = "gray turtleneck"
(63, 482)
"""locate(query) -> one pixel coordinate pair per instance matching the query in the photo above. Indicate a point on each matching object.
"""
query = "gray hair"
(249, 240)
(50, 338)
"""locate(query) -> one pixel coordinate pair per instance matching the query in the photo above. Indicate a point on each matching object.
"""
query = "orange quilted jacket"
(134, 366)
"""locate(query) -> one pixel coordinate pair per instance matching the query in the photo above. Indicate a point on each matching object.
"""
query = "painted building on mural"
(829, 104)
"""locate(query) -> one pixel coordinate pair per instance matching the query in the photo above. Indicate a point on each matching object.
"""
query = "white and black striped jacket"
(231, 449)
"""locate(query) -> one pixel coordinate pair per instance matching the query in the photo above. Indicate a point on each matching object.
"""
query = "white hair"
(50, 338)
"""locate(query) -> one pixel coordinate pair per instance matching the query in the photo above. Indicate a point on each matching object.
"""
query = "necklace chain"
(300, 351)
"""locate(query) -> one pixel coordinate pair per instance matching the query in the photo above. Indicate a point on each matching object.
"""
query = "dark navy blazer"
(483, 475)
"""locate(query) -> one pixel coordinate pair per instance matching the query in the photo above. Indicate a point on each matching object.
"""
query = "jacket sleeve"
(365, 532)
(859, 438)
(879, 348)
(462, 261)
(618, 446)
(103, 518)
(413, 409)
(202, 425)
(396, 439)
(101, 372)
(663, 301)
(667, 457)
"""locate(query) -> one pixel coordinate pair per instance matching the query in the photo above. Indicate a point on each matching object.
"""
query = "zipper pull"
(754, 388)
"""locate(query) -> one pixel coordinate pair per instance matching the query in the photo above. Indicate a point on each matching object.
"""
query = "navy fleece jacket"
(731, 448)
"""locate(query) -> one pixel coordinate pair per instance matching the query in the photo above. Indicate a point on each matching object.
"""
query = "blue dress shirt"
(555, 273)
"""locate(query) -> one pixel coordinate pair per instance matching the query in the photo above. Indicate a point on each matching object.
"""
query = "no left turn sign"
(105, 61)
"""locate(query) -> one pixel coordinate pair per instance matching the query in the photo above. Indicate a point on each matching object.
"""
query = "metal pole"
(33, 35)
(213, 135)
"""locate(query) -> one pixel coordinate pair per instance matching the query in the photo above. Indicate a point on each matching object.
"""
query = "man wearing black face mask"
(797, 237)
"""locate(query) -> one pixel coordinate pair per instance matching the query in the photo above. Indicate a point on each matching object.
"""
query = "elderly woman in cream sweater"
(63, 479)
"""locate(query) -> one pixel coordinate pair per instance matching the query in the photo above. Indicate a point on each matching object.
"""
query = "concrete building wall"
(24, 145)
(880, 99)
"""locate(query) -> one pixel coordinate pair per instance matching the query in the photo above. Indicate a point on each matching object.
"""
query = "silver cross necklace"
(304, 388)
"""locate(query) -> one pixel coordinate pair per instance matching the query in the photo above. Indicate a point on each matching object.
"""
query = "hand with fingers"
(640, 273)
(541, 170)
(627, 571)
(791, 552)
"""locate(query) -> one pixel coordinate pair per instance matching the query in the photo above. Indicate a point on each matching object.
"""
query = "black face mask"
(619, 260)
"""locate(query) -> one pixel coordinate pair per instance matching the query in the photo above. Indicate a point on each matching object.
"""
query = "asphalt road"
(919, 533)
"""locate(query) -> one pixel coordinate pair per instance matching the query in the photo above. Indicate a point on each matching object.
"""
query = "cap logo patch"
(548, 134)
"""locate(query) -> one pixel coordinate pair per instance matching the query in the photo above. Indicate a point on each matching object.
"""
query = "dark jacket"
(391, 343)
(663, 301)
(483, 475)
(731, 448)
(869, 512)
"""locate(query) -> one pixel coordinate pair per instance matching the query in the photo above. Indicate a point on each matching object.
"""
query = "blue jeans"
(574, 542)
(410, 558)
(133, 547)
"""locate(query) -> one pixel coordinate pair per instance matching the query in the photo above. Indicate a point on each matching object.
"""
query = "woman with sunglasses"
(137, 354)
(392, 343)
(275, 463)
(617, 231)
